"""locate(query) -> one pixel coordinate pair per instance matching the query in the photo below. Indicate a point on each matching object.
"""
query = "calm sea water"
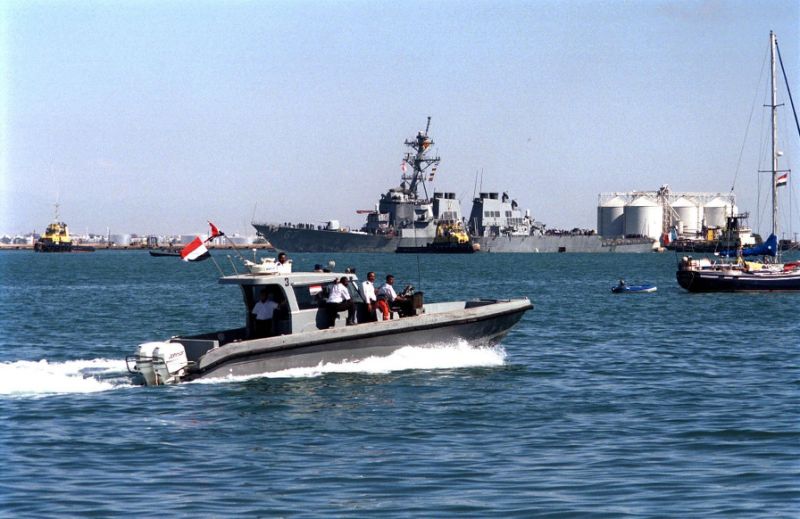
(659, 405)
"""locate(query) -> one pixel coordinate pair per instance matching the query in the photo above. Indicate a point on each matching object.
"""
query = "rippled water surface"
(652, 405)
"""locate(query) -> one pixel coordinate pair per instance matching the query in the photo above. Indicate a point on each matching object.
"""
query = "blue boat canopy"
(768, 248)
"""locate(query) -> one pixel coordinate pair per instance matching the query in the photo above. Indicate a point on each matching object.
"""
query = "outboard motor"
(143, 362)
(169, 362)
(159, 362)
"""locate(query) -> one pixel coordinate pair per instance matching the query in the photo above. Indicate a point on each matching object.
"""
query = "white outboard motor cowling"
(169, 362)
(144, 362)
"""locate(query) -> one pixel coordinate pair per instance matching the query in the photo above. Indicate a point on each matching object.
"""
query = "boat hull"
(61, 247)
(721, 281)
(295, 239)
(161, 253)
(634, 289)
(482, 327)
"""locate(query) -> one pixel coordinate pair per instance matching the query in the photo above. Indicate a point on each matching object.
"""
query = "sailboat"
(733, 271)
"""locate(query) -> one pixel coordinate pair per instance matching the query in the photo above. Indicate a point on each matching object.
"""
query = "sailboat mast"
(774, 107)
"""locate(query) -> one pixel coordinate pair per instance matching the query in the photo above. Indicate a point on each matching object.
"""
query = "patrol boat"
(302, 335)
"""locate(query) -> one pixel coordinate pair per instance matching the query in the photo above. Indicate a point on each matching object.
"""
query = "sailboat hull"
(737, 281)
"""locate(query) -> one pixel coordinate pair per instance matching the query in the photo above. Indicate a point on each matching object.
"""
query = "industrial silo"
(643, 218)
(120, 240)
(716, 212)
(611, 217)
(688, 214)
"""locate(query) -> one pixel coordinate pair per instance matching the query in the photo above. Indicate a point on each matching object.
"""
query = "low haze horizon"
(151, 118)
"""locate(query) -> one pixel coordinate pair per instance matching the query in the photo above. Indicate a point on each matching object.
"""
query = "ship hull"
(312, 240)
(61, 247)
(563, 243)
(293, 239)
(434, 248)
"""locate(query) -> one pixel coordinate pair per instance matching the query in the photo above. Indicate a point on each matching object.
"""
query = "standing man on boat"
(284, 264)
(368, 289)
(264, 310)
(339, 299)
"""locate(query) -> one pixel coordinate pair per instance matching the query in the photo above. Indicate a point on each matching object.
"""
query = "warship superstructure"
(404, 216)
(406, 220)
(497, 224)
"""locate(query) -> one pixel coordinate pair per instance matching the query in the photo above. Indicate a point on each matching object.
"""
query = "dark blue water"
(653, 405)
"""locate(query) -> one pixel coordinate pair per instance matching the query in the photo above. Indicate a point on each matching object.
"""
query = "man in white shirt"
(284, 265)
(339, 299)
(263, 310)
(387, 296)
(368, 290)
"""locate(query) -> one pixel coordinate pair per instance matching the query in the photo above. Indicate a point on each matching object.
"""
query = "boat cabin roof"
(284, 279)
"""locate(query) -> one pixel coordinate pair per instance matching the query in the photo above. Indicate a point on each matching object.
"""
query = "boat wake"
(41, 378)
(441, 356)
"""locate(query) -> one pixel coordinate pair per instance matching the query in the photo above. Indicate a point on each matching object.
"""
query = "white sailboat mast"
(774, 106)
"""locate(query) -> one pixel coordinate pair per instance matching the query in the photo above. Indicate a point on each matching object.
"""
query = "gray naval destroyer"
(404, 217)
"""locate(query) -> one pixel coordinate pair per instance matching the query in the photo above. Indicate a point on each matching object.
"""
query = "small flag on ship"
(782, 180)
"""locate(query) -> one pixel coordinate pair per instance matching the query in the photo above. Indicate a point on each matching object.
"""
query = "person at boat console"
(370, 299)
(263, 311)
(388, 298)
(339, 299)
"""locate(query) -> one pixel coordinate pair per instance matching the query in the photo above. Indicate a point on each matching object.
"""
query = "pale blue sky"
(152, 117)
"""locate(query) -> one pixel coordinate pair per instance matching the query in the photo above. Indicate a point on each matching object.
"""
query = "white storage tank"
(120, 240)
(611, 217)
(716, 212)
(688, 214)
(643, 217)
(240, 240)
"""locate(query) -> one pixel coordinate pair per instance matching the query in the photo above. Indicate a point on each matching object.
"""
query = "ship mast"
(419, 161)
(774, 106)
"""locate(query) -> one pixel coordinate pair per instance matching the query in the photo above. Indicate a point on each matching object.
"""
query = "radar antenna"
(419, 160)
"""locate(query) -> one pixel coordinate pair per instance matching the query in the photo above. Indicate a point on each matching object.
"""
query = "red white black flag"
(215, 231)
(195, 251)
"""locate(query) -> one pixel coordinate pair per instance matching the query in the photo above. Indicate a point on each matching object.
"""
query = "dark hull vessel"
(737, 281)
(732, 272)
(164, 253)
(43, 246)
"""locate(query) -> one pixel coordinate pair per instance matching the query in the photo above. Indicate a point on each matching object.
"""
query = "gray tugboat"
(302, 334)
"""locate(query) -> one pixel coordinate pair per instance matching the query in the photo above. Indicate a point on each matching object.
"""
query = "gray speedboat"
(302, 334)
